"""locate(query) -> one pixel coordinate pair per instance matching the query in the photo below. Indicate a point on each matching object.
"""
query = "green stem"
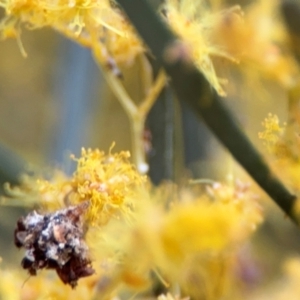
(191, 86)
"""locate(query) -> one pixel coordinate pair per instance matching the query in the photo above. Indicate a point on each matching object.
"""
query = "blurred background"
(55, 101)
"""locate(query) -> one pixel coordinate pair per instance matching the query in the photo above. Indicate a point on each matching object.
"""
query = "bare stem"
(153, 94)
(121, 93)
(136, 114)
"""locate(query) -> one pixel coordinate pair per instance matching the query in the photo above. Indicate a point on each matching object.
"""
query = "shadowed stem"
(191, 86)
(290, 10)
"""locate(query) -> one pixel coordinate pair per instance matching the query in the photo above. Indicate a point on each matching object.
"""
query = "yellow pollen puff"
(108, 181)
(193, 23)
(97, 24)
(272, 131)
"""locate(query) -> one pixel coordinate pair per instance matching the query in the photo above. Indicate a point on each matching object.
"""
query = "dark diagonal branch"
(291, 14)
(191, 86)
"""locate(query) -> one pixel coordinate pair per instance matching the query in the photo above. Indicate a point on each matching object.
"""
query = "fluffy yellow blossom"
(108, 181)
(97, 24)
(272, 132)
(258, 39)
(196, 241)
(206, 227)
(284, 150)
(193, 23)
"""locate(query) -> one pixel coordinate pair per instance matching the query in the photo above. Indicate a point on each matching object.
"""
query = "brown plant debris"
(55, 241)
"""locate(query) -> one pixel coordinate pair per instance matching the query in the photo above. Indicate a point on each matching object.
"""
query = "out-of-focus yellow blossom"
(258, 40)
(292, 270)
(16, 285)
(239, 195)
(272, 132)
(170, 297)
(285, 151)
(93, 23)
(193, 23)
(275, 138)
(204, 227)
(194, 244)
(286, 287)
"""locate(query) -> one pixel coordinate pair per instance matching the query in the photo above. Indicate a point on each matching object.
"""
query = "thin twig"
(136, 114)
(121, 94)
(154, 92)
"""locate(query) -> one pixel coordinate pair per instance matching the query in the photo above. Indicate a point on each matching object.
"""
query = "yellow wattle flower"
(109, 182)
(193, 23)
(97, 24)
(274, 138)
